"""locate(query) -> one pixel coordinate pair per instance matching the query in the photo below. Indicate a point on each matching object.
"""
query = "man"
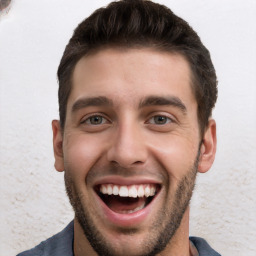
(136, 92)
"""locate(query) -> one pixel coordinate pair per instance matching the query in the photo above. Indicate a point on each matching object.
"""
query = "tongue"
(124, 204)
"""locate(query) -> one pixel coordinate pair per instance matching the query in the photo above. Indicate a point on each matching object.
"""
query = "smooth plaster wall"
(33, 203)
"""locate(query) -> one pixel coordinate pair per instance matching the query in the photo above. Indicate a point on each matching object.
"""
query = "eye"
(159, 120)
(95, 120)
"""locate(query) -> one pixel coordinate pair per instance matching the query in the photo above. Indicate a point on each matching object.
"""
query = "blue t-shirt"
(61, 244)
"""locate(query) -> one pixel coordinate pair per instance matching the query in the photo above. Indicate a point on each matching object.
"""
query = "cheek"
(176, 154)
(80, 153)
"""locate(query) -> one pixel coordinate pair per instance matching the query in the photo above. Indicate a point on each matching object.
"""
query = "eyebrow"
(91, 101)
(148, 101)
(163, 101)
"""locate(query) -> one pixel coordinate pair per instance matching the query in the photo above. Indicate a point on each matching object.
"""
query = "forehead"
(127, 75)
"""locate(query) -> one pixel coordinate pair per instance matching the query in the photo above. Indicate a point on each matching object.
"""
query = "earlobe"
(208, 147)
(57, 145)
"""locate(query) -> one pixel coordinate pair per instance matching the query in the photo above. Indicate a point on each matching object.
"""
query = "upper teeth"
(129, 191)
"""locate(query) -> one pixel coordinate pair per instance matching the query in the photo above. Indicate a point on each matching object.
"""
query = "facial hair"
(162, 231)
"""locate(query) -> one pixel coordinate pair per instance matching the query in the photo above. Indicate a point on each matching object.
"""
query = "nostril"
(125, 162)
(138, 162)
(127, 151)
(132, 163)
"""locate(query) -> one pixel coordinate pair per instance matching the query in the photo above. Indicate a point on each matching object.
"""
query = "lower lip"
(126, 219)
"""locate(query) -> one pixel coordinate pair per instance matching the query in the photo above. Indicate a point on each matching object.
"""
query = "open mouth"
(127, 199)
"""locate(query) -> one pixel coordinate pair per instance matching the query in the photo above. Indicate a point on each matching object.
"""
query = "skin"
(130, 144)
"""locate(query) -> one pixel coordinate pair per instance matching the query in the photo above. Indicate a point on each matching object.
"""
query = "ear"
(57, 146)
(208, 147)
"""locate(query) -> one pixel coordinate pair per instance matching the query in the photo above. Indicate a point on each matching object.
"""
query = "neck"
(179, 245)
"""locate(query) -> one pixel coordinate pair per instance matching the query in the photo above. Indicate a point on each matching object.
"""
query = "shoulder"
(204, 249)
(60, 244)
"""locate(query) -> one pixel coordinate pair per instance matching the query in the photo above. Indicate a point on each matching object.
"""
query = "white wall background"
(33, 203)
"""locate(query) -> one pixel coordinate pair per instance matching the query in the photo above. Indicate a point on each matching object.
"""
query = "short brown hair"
(140, 23)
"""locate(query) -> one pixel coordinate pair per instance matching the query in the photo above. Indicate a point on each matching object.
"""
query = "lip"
(127, 219)
(126, 181)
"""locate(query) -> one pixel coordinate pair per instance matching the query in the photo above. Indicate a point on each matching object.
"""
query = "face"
(130, 148)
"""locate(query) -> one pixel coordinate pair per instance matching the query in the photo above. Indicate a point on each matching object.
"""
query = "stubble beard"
(161, 232)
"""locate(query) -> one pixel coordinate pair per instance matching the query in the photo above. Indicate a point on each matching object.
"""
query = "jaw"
(125, 231)
(179, 244)
(128, 233)
(122, 229)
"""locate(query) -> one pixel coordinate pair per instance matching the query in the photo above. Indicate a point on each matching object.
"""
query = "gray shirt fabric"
(61, 244)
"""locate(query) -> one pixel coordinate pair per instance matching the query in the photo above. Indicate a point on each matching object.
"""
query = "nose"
(128, 148)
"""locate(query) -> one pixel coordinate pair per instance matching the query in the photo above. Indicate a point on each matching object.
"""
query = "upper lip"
(119, 180)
